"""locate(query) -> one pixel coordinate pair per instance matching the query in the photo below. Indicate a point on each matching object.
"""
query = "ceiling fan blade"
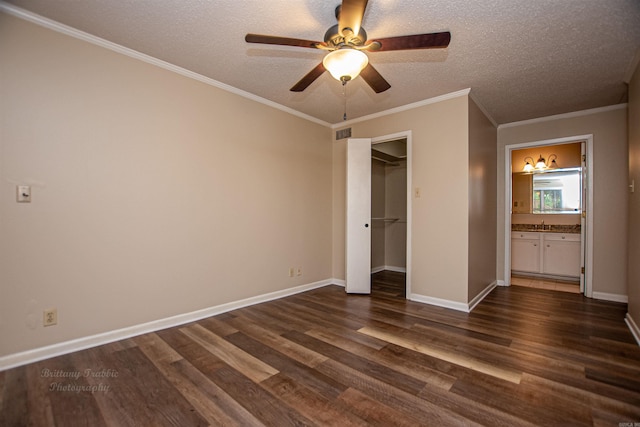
(416, 41)
(309, 78)
(351, 13)
(283, 41)
(374, 79)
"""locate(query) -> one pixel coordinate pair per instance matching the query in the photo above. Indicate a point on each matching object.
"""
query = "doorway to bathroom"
(548, 215)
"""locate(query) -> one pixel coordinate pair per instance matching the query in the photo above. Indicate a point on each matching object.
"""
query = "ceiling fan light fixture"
(345, 63)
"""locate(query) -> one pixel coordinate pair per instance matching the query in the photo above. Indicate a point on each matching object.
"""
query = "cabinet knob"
(548, 246)
(535, 244)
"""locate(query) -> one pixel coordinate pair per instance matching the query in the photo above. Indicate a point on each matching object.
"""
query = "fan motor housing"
(333, 37)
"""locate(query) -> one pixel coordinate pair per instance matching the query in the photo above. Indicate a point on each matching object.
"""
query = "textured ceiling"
(522, 59)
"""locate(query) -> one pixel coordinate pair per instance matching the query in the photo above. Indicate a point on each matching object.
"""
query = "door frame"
(385, 138)
(587, 235)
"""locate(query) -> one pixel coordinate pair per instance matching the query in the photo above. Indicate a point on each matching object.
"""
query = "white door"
(358, 230)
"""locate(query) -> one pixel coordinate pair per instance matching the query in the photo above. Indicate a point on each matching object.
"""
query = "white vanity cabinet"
(525, 251)
(554, 254)
(561, 254)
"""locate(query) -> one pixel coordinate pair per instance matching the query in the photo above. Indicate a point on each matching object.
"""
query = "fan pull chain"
(344, 94)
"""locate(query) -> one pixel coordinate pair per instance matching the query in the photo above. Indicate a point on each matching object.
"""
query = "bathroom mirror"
(556, 191)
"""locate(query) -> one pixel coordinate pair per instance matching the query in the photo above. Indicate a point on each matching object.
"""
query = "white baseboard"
(486, 291)
(339, 282)
(42, 353)
(501, 283)
(454, 305)
(610, 297)
(388, 268)
(395, 269)
(633, 327)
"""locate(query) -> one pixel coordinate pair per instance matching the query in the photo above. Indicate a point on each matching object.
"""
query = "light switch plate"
(23, 194)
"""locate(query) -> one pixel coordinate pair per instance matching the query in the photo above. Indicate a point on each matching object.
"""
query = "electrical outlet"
(299, 272)
(50, 317)
(291, 271)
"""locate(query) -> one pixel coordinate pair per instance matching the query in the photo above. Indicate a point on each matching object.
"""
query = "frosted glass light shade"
(528, 167)
(345, 64)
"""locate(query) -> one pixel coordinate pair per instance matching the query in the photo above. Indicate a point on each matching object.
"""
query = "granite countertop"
(548, 228)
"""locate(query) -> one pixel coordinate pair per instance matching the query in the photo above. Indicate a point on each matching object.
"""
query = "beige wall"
(153, 194)
(610, 200)
(440, 133)
(482, 201)
(634, 198)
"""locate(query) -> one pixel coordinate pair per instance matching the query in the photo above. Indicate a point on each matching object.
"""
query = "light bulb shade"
(540, 164)
(528, 167)
(345, 64)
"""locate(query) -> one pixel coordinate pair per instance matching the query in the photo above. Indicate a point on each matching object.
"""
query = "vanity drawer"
(566, 237)
(527, 235)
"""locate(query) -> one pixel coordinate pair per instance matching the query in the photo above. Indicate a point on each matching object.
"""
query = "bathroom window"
(547, 201)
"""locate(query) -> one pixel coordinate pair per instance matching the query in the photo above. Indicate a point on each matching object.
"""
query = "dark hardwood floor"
(522, 357)
(388, 283)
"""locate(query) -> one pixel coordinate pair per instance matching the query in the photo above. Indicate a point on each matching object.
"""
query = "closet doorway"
(389, 217)
(385, 252)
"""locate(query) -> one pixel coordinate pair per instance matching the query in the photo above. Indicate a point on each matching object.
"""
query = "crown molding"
(89, 38)
(564, 116)
(81, 35)
(402, 108)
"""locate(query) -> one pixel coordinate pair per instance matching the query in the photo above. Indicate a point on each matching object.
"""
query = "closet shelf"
(386, 219)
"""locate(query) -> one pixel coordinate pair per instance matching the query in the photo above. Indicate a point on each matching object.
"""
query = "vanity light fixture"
(528, 166)
(541, 164)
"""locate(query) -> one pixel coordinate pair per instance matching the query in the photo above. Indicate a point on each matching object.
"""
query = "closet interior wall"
(389, 216)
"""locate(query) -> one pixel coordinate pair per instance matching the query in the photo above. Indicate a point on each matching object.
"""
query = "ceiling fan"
(346, 43)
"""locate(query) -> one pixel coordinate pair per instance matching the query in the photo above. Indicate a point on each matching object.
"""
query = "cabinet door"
(561, 257)
(525, 255)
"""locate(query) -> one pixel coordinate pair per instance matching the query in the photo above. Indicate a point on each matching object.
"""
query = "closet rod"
(385, 219)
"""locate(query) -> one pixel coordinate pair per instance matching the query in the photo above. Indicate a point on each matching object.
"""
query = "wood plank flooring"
(522, 357)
